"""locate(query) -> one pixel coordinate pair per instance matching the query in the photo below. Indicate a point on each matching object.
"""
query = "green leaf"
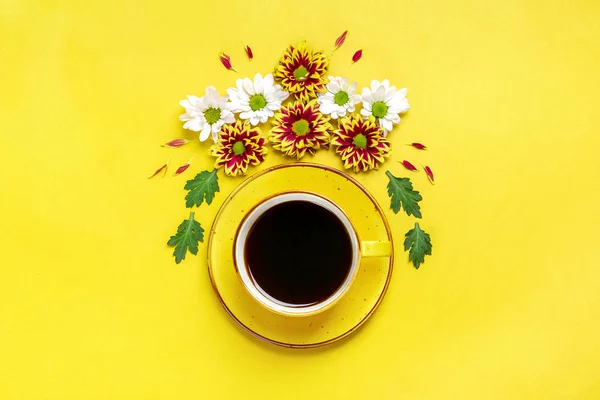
(419, 243)
(401, 192)
(202, 188)
(189, 233)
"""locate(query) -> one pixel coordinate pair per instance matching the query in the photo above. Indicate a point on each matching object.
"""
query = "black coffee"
(299, 253)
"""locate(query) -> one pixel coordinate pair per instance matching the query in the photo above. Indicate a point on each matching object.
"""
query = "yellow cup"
(359, 249)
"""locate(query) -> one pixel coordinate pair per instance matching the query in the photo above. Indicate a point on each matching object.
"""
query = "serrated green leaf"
(419, 243)
(202, 188)
(402, 194)
(189, 233)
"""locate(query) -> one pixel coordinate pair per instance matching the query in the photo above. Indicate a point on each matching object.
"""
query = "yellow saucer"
(350, 312)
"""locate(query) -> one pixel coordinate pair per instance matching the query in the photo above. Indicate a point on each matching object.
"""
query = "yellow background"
(504, 92)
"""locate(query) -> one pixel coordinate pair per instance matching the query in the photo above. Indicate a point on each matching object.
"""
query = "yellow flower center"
(300, 127)
(300, 73)
(360, 141)
(341, 98)
(380, 109)
(257, 102)
(238, 148)
(212, 115)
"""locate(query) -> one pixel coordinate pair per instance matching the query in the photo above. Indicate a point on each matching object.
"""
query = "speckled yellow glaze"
(346, 315)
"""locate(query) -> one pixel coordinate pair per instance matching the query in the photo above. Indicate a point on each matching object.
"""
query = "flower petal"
(212, 92)
(183, 167)
(274, 106)
(249, 52)
(226, 61)
(162, 169)
(334, 86)
(375, 84)
(268, 80)
(408, 165)
(327, 108)
(227, 117)
(205, 133)
(175, 143)
(419, 146)
(258, 83)
(248, 86)
(386, 124)
(379, 94)
(429, 173)
(340, 40)
(193, 125)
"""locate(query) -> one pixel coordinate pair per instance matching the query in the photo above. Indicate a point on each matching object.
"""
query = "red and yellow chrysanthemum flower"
(302, 72)
(239, 145)
(300, 128)
(360, 143)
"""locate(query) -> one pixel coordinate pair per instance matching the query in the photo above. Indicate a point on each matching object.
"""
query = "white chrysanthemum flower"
(207, 114)
(256, 101)
(384, 103)
(340, 98)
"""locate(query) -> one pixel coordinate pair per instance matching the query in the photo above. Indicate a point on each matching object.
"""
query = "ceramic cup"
(359, 249)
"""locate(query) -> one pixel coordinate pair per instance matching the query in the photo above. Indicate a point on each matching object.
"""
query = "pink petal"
(183, 167)
(340, 40)
(418, 146)
(175, 143)
(226, 61)
(409, 166)
(429, 173)
(161, 169)
(249, 52)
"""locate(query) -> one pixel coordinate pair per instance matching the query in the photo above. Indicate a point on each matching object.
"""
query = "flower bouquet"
(308, 110)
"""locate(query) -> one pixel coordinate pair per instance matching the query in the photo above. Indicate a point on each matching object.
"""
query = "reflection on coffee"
(298, 253)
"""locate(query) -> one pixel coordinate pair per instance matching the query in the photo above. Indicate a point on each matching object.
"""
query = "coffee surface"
(298, 253)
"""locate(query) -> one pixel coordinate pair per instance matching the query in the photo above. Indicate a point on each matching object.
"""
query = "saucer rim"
(294, 345)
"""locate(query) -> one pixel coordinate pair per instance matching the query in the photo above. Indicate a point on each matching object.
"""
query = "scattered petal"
(162, 169)
(408, 165)
(249, 52)
(429, 173)
(226, 61)
(175, 143)
(419, 146)
(357, 56)
(340, 40)
(183, 167)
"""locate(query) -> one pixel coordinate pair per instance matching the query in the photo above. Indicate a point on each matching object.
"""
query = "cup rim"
(264, 298)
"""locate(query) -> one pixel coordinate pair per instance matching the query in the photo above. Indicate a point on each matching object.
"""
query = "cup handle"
(376, 248)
